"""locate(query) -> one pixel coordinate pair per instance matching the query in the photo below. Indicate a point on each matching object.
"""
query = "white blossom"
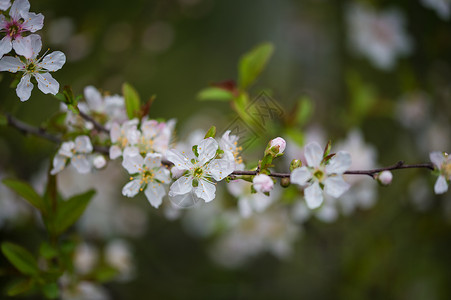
(318, 176)
(20, 21)
(380, 36)
(441, 7)
(5, 4)
(442, 161)
(229, 144)
(123, 136)
(77, 152)
(148, 175)
(385, 177)
(155, 136)
(39, 68)
(99, 161)
(263, 183)
(86, 257)
(278, 142)
(198, 183)
(118, 255)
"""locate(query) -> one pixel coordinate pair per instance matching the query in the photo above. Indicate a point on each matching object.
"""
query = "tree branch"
(96, 124)
(40, 132)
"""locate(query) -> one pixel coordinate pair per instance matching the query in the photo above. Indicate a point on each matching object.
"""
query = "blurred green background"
(173, 49)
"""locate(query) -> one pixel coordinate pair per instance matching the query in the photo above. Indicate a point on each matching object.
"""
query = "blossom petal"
(133, 163)
(313, 154)
(205, 190)
(155, 193)
(153, 160)
(35, 43)
(115, 152)
(83, 144)
(5, 45)
(441, 186)
(47, 84)
(313, 196)
(5, 4)
(11, 64)
(19, 9)
(24, 88)
(81, 163)
(22, 46)
(55, 61)
(182, 185)
(131, 188)
(66, 149)
(179, 160)
(93, 98)
(207, 150)
(339, 163)
(220, 168)
(59, 162)
(33, 22)
(163, 175)
(300, 175)
(437, 158)
(335, 186)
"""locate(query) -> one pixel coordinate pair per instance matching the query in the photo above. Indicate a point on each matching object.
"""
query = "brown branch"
(40, 132)
(96, 124)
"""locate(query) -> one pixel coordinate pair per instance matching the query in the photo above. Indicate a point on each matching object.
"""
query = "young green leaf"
(253, 63)
(211, 132)
(20, 258)
(51, 290)
(24, 190)
(19, 287)
(214, 94)
(71, 210)
(304, 110)
(132, 100)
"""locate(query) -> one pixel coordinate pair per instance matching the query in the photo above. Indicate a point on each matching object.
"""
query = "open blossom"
(148, 175)
(442, 161)
(263, 183)
(20, 21)
(77, 152)
(155, 136)
(198, 183)
(380, 36)
(229, 144)
(318, 175)
(38, 68)
(123, 136)
(5, 4)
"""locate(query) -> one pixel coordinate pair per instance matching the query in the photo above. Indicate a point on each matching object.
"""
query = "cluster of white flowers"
(19, 22)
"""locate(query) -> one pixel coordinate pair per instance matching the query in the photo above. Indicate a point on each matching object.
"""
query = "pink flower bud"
(385, 177)
(279, 142)
(263, 183)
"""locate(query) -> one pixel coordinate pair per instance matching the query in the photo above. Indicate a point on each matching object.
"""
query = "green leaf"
(20, 258)
(253, 63)
(214, 94)
(71, 210)
(47, 251)
(24, 190)
(51, 290)
(132, 100)
(105, 273)
(211, 132)
(3, 120)
(20, 286)
(304, 110)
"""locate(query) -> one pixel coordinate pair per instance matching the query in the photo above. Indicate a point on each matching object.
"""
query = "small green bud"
(285, 182)
(295, 163)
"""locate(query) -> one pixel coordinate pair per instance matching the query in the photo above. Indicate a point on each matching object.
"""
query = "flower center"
(446, 168)
(319, 174)
(198, 172)
(14, 29)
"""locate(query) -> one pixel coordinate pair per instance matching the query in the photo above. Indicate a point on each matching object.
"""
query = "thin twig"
(40, 132)
(96, 124)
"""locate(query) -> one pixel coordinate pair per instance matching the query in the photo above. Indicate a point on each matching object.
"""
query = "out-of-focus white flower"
(148, 175)
(318, 176)
(385, 177)
(441, 7)
(156, 136)
(84, 290)
(413, 110)
(38, 68)
(278, 142)
(442, 162)
(86, 257)
(5, 4)
(271, 231)
(118, 255)
(380, 36)
(263, 183)
(99, 161)
(20, 21)
(201, 170)
(123, 136)
(77, 153)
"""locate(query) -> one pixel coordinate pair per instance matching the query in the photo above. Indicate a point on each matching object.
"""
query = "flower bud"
(295, 163)
(285, 182)
(99, 161)
(263, 183)
(278, 142)
(385, 177)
